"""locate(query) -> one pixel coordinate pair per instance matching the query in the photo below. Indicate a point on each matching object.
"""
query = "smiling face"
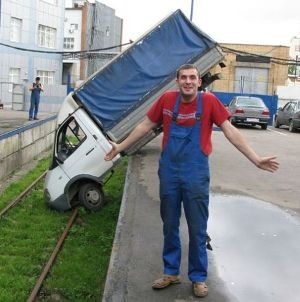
(188, 81)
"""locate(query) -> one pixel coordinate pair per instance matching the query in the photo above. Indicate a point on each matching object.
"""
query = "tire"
(264, 126)
(276, 123)
(291, 126)
(91, 196)
(232, 122)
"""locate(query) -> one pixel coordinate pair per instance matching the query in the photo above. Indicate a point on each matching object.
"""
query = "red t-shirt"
(213, 112)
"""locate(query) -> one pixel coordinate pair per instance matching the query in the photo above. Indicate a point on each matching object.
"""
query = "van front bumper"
(61, 203)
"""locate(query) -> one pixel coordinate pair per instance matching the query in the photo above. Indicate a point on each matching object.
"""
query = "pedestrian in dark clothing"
(35, 89)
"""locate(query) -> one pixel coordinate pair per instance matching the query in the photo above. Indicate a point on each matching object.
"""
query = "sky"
(263, 22)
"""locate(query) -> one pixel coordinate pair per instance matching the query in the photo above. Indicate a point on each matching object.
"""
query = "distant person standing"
(35, 89)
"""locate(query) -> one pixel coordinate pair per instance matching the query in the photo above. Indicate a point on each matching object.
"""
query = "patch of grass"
(28, 235)
(29, 232)
(80, 270)
(16, 188)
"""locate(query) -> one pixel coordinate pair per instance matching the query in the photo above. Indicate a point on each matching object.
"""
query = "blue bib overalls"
(34, 102)
(184, 177)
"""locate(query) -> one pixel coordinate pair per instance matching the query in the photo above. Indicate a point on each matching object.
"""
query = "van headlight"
(47, 196)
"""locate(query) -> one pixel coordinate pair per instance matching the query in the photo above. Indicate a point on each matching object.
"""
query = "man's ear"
(199, 82)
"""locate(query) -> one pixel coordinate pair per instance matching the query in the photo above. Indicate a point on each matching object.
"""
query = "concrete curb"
(111, 278)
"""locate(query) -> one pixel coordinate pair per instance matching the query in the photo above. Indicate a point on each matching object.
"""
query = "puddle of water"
(256, 248)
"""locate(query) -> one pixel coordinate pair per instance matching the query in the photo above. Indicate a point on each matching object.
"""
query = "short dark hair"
(186, 66)
(37, 78)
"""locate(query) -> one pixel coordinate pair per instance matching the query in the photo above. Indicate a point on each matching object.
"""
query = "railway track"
(35, 291)
(21, 196)
(47, 267)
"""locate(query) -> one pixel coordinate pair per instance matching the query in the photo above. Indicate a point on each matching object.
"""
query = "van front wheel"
(91, 196)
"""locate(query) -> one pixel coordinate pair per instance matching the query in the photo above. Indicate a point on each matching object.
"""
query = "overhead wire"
(67, 52)
(275, 60)
(98, 52)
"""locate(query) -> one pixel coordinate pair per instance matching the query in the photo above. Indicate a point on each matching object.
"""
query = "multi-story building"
(91, 29)
(256, 69)
(31, 31)
(294, 70)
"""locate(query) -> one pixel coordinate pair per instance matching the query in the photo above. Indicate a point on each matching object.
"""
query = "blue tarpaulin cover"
(139, 71)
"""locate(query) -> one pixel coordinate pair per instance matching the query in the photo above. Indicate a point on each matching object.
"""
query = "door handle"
(89, 151)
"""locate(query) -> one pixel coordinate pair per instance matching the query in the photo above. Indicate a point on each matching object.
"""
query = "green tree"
(292, 69)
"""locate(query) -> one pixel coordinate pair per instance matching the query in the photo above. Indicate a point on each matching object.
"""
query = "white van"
(78, 167)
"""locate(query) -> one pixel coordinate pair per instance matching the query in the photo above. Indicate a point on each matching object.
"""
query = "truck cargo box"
(119, 94)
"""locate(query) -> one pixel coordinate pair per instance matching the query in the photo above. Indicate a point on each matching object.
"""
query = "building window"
(74, 26)
(107, 32)
(15, 29)
(297, 48)
(13, 77)
(253, 59)
(47, 77)
(69, 43)
(46, 36)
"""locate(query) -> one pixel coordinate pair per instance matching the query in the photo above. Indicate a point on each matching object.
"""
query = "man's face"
(188, 82)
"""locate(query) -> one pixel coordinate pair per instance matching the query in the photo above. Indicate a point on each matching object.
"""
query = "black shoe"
(36, 118)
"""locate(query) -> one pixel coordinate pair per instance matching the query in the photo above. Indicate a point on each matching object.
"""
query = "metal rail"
(21, 196)
(52, 258)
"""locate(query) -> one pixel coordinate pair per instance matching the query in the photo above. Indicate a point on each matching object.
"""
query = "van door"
(81, 147)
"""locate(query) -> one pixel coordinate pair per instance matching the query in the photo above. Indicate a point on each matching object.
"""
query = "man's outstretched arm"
(237, 139)
(138, 132)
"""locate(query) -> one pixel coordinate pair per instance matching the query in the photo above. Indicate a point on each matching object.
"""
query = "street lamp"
(192, 9)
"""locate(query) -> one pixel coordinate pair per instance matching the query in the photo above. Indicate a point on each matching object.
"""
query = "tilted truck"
(111, 102)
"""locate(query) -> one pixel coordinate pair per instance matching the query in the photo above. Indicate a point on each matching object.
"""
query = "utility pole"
(192, 9)
(296, 70)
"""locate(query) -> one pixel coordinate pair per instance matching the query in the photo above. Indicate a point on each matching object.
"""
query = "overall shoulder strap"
(176, 108)
(199, 107)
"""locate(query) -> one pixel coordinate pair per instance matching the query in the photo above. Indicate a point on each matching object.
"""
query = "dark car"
(289, 115)
(249, 110)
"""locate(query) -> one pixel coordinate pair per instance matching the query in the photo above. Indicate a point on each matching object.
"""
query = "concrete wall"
(21, 145)
(277, 73)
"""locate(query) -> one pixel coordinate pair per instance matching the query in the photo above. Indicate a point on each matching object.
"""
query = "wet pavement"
(256, 246)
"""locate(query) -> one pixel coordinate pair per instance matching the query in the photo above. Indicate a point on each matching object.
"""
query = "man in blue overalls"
(35, 89)
(187, 117)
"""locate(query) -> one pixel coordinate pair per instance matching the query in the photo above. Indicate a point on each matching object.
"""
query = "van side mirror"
(59, 160)
(280, 109)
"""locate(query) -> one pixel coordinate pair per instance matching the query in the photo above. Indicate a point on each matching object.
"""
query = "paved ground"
(256, 245)
(12, 119)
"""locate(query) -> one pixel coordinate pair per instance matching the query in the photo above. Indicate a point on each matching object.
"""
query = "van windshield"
(69, 137)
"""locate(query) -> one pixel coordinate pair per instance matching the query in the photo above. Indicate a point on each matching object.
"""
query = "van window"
(69, 138)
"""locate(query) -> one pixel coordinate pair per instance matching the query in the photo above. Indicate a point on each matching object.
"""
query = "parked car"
(289, 115)
(249, 110)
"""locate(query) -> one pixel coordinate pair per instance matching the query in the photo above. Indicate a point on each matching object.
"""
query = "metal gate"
(251, 80)
(6, 93)
(18, 100)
